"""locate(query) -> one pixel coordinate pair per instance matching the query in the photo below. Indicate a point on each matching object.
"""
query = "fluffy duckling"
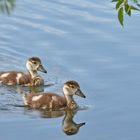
(52, 100)
(32, 78)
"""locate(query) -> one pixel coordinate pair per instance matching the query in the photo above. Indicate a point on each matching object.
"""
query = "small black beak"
(80, 124)
(42, 69)
(80, 93)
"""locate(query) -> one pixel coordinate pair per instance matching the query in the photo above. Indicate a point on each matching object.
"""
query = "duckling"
(52, 100)
(69, 126)
(32, 78)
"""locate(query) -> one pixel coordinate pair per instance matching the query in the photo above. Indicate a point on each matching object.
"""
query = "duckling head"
(71, 88)
(34, 64)
(72, 128)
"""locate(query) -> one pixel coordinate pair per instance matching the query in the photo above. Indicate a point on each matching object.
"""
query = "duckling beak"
(42, 69)
(80, 93)
(80, 124)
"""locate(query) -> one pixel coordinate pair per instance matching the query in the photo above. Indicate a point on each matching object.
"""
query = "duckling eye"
(72, 130)
(72, 86)
(34, 62)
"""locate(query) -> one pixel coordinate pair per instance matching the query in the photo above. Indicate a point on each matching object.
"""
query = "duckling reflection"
(51, 113)
(21, 89)
(6, 6)
(69, 126)
(36, 89)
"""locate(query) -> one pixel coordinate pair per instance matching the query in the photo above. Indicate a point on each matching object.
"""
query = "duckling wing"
(14, 78)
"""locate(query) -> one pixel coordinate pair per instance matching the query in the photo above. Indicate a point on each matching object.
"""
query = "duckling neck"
(70, 102)
(69, 116)
(68, 119)
(33, 74)
(69, 99)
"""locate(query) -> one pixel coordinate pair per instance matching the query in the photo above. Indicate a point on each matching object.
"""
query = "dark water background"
(80, 40)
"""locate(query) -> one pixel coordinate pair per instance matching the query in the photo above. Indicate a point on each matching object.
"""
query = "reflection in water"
(32, 89)
(51, 113)
(36, 89)
(6, 6)
(69, 126)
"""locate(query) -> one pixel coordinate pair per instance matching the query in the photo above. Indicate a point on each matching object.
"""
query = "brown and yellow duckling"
(52, 100)
(32, 78)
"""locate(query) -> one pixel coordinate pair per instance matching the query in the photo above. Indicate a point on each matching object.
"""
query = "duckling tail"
(23, 94)
(24, 97)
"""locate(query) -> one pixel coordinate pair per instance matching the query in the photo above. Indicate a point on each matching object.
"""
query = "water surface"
(80, 40)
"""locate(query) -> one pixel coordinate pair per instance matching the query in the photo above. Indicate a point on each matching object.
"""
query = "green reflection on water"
(7, 6)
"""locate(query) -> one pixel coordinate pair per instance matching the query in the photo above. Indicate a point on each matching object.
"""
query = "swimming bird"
(32, 78)
(53, 100)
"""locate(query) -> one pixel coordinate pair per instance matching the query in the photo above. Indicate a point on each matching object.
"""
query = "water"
(80, 40)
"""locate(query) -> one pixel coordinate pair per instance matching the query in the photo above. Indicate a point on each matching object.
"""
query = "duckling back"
(14, 78)
(44, 101)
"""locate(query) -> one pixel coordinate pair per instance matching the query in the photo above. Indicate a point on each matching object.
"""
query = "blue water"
(80, 40)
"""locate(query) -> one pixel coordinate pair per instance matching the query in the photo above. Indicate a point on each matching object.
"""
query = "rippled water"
(81, 40)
